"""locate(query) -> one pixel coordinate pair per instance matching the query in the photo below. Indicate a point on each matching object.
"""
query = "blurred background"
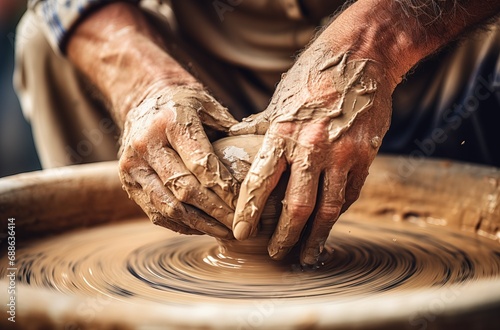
(475, 140)
(17, 150)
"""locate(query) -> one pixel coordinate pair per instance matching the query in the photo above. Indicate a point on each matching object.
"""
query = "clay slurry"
(135, 260)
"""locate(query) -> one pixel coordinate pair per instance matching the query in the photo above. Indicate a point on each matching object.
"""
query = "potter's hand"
(325, 123)
(168, 165)
(330, 112)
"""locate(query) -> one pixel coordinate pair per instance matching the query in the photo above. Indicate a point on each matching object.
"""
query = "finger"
(330, 201)
(157, 218)
(162, 199)
(298, 205)
(174, 210)
(136, 193)
(201, 222)
(263, 176)
(254, 124)
(355, 181)
(187, 137)
(185, 187)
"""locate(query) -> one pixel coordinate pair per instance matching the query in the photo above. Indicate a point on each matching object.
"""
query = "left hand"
(325, 123)
(168, 166)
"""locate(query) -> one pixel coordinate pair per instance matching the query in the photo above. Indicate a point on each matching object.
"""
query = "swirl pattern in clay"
(135, 260)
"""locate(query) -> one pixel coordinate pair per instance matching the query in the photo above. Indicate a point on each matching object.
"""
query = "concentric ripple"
(138, 260)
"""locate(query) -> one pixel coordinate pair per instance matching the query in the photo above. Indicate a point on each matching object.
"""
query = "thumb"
(254, 124)
(214, 115)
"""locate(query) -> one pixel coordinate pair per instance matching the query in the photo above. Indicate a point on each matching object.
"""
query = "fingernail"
(242, 230)
(272, 250)
(311, 256)
(278, 253)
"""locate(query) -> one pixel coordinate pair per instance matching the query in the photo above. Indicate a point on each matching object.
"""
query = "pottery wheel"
(135, 260)
(420, 249)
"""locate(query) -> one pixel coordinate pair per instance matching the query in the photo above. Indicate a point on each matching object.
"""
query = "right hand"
(168, 166)
(324, 124)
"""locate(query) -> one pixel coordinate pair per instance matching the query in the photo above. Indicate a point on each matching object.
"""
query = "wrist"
(146, 69)
(127, 60)
(368, 30)
(400, 33)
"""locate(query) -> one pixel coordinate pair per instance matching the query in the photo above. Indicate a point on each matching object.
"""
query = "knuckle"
(125, 167)
(346, 148)
(184, 194)
(125, 164)
(169, 215)
(285, 129)
(328, 211)
(148, 182)
(183, 188)
(364, 148)
(139, 143)
(175, 211)
(299, 210)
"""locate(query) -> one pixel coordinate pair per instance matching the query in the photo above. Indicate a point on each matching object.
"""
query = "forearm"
(399, 33)
(118, 50)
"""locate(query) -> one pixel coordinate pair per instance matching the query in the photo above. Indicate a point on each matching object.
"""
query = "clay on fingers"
(167, 163)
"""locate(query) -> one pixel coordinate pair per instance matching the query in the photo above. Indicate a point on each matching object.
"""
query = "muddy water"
(136, 260)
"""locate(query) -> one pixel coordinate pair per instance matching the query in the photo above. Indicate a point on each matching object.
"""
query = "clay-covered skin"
(332, 108)
(169, 167)
(237, 153)
(324, 123)
(167, 164)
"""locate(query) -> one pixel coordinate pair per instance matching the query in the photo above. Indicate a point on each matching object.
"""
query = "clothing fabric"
(448, 107)
(57, 17)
